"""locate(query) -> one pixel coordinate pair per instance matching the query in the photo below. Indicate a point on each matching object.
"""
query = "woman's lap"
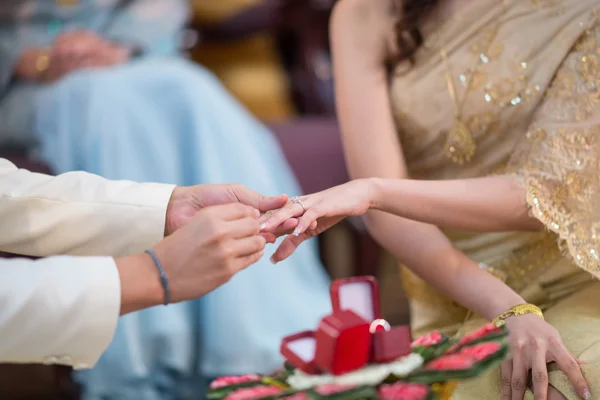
(577, 318)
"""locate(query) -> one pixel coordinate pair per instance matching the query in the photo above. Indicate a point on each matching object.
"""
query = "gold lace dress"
(533, 108)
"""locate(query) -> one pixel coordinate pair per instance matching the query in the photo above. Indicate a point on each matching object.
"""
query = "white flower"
(370, 375)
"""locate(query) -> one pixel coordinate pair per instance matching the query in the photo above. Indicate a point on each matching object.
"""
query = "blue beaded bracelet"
(163, 276)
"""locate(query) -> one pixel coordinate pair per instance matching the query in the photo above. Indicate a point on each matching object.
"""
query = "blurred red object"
(343, 343)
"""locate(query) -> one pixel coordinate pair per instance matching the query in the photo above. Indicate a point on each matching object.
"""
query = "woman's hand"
(70, 52)
(534, 344)
(316, 213)
(82, 49)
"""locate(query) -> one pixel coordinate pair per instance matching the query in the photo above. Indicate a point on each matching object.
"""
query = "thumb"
(272, 203)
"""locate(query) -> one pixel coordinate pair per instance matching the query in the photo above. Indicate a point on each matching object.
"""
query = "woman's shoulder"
(367, 24)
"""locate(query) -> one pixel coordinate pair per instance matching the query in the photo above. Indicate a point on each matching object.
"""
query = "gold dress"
(533, 108)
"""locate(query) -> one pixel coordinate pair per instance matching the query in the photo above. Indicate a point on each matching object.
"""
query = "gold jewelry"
(42, 63)
(517, 311)
(460, 145)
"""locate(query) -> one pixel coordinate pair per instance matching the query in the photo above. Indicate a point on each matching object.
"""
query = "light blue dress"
(164, 119)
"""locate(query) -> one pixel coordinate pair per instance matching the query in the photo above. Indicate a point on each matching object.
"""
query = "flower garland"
(432, 372)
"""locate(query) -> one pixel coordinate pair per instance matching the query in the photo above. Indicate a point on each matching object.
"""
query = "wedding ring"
(296, 200)
(379, 323)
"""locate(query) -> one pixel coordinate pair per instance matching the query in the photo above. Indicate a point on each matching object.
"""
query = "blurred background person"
(101, 86)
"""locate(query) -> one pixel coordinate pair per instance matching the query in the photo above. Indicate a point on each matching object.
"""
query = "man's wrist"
(177, 195)
(140, 283)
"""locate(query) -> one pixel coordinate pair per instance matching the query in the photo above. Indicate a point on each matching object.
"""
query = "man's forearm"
(77, 213)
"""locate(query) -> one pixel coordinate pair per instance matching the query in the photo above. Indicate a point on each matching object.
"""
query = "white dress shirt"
(64, 309)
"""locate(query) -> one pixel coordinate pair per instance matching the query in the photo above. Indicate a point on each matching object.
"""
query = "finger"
(539, 375)
(234, 211)
(286, 228)
(272, 203)
(519, 377)
(569, 365)
(313, 226)
(243, 228)
(273, 220)
(269, 237)
(248, 246)
(287, 248)
(245, 262)
(262, 203)
(307, 220)
(506, 370)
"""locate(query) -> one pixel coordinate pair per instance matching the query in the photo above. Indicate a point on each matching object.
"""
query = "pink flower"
(257, 392)
(327, 389)
(428, 340)
(233, 380)
(481, 351)
(403, 391)
(479, 333)
(452, 362)
(431, 339)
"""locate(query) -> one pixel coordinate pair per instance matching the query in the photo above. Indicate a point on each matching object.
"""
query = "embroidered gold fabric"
(534, 110)
(559, 163)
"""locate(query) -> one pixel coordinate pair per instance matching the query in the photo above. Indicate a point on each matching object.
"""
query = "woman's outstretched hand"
(316, 213)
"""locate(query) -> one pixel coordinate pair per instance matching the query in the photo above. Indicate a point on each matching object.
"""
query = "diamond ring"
(296, 200)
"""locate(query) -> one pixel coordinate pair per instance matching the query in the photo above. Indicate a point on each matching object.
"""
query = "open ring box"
(352, 336)
(361, 295)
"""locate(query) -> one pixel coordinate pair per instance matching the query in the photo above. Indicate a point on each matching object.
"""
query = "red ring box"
(299, 350)
(343, 343)
(390, 345)
(360, 294)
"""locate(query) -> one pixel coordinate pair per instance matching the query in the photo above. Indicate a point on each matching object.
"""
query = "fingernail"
(296, 231)
(587, 395)
(273, 260)
(263, 226)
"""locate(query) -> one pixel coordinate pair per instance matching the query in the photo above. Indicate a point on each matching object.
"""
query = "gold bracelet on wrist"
(517, 311)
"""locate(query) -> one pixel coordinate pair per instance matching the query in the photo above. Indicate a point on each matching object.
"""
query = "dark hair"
(408, 34)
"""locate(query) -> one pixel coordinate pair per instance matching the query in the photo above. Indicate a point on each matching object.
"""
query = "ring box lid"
(359, 294)
(299, 350)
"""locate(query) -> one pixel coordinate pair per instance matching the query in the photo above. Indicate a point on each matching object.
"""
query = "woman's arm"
(362, 37)
(489, 204)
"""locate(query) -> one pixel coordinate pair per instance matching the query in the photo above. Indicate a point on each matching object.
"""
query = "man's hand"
(187, 201)
(215, 244)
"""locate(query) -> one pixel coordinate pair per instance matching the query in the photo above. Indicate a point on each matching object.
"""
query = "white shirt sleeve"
(78, 214)
(59, 310)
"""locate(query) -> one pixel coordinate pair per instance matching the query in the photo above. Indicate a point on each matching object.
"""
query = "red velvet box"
(299, 350)
(391, 345)
(343, 343)
(360, 294)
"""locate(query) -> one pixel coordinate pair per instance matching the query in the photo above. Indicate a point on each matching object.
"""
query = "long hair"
(408, 35)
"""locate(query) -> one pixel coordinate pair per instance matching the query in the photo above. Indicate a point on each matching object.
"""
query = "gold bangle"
(517, 311)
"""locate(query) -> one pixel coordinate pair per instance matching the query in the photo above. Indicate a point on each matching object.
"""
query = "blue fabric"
(154, 25)
(167, 120)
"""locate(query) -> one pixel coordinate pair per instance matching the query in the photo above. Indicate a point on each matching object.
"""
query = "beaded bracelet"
(163, 276)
